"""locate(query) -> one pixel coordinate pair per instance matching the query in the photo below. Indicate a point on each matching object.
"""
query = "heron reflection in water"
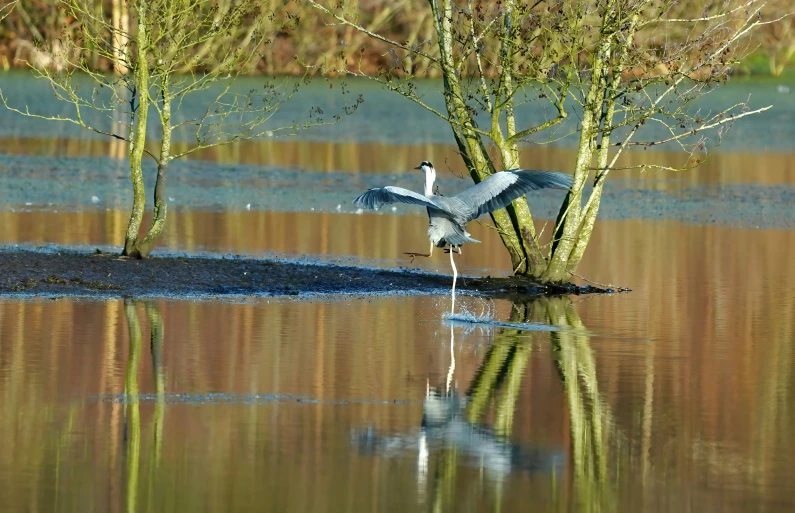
(448, 216)
(454, 420)
(456, 424)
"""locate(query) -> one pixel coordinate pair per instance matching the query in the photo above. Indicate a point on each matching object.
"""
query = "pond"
(676, 396)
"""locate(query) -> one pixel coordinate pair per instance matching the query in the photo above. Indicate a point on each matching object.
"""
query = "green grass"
(757, 65)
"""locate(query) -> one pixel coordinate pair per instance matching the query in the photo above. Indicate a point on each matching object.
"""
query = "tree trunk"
(138, 139)
(607, 103)
(531, 262)
(510, 225)
(161, 206)
(570, 215)
(144, 247)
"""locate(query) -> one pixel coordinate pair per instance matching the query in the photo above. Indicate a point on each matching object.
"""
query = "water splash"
(466, 313)
(485, 319)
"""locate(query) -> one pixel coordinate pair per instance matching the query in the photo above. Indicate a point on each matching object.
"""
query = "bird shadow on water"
(474, 428)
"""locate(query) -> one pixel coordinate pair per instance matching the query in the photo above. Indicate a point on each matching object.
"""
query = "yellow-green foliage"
(31, 34)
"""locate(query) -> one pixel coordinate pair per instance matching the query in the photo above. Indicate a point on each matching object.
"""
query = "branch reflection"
(132, 418)
(589, 415)
(474, 429)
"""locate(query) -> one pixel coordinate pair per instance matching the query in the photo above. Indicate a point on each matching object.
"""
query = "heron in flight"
(448, 216)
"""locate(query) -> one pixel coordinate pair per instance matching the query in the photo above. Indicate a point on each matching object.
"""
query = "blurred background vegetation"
(33, 32)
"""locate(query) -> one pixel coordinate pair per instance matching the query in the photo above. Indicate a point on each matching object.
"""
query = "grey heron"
(448, 216)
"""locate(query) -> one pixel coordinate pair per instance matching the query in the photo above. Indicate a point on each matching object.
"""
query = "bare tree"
(169, 51)
(606, 71)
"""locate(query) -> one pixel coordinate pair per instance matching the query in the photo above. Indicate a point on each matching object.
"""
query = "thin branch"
(695, 20)
(370, 33)
(248, 135)
(538, 128)
(729, 118)
(475, 42)
(10, 7)
(643, 167)
(410, 95)
(78, 122)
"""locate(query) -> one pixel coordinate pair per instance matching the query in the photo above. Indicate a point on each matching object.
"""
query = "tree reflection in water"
(589, 415)
(132, 418)
(454, 430)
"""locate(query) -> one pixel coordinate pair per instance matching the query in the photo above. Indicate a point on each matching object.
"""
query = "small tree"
(605, 70)
(174, 49)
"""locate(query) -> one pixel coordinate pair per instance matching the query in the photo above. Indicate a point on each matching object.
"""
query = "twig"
(10, 8)
(77, 122)
(729, 118)
(602, 285)
(371, 34)
(519, 264)
(694, 20)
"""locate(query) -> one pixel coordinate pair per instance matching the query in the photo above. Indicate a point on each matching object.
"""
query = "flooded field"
(313, 406)
(678, 396)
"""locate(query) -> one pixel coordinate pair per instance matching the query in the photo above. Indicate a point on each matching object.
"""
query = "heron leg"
(452, 361)
(414, 255)
(455, 275)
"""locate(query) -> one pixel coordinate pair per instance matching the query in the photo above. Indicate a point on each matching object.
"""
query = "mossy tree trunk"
(575, 223)
(144, 246)
(138, 140)
(514, 224)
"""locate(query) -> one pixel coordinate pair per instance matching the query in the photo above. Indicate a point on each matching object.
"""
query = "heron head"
(430, 176)
(425, 166)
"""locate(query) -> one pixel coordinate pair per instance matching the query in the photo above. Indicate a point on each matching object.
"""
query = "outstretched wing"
(498, 190)
(374, 199)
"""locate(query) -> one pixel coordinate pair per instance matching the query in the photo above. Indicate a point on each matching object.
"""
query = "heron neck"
(430, 177)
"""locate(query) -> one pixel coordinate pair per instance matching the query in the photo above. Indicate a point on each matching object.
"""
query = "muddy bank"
(67, 273)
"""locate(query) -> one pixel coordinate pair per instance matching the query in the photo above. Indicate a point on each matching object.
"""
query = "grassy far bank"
(303, 41)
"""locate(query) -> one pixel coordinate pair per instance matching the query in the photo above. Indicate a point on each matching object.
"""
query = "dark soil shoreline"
(104, 275)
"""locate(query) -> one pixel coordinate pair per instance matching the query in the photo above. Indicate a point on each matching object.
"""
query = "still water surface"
(312, 406)
(679, 396)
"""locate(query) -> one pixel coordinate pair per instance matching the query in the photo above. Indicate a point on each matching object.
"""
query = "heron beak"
(418, 168)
